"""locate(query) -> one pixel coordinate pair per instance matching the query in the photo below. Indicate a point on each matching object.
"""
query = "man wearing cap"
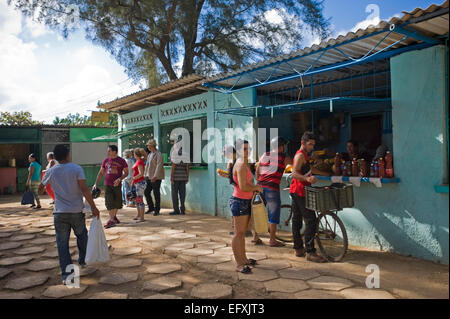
(154, 174)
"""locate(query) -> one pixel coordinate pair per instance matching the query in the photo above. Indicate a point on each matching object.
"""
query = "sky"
(49, 76)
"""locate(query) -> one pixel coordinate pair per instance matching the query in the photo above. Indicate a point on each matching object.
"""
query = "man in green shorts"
(115, 169)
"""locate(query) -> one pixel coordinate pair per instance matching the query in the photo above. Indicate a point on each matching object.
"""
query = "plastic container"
(343, 193)
(319, 198)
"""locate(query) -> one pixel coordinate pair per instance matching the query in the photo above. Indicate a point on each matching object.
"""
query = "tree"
(18, 118)
(151, 38)
(77, 119)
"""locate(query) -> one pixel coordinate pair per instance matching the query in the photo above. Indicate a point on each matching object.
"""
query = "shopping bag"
(97, 247)
(260, 218)
(87, 208)
(28, 198)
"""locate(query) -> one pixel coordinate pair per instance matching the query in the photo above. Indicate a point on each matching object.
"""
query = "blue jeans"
(273, 205)
(64, 223)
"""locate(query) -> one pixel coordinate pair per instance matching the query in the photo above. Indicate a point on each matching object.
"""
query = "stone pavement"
(173, 257)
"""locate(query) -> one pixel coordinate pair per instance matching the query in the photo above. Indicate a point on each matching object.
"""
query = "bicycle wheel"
(284, 236)
(331, 236)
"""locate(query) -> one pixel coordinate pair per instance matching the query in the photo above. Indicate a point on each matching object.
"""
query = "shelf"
(363, 179)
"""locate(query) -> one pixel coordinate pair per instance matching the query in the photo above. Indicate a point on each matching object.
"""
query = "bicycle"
(330, 235)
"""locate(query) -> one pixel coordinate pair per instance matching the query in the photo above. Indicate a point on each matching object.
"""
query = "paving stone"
(196, 240)
(10, 229)
(15, 295)
(182, 236)
(163, 296)
(112, 237)
(126, 251)
(72, 243)
(86, 271)
(195, 222)
(5, 235)
(22, 237)
(317, 294)
(197, 252)
(61, 291)
(15, 260)
(230, 266)
(42, 241)
(43, 265)
(10, 245)
(256, 256)
(273, 264)
(162, 284)
(286, 285)
(224, 251)
(109, 295)
(29, 250)
(364, 293)
(43, 224)
(302, 274)
(259, 275)
(54, 253)
(50, 232)
(212, 291)
(330, 283)
(27, 282)
(213, 259)
(126, 263)
(163, 268)
(155, 237)
(4, 272)
(119, 279)
(212, 245)
(179, 247)
(32, 231)
(171, 231)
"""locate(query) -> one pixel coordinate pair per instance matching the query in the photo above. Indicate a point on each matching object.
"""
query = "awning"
(120, 134)
(333, 104)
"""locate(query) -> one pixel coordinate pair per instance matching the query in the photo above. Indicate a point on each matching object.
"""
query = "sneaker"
(32, 206)
(155, 213)
(174, 213)
(37, 207)
(110, 224)
(182, 213)
(116, 220)
(149, 211)
(300, 252)
(315, 258)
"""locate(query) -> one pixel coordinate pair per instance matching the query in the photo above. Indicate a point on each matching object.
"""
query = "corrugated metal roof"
(172, 90)
(432, 22)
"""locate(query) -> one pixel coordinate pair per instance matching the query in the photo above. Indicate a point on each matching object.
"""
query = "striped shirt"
(271, 169)
(180, 173)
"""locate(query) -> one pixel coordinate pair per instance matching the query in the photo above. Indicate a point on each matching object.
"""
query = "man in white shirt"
(69, 185)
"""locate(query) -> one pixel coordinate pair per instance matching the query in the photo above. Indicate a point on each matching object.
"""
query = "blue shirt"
(64, 180)
(36, 177)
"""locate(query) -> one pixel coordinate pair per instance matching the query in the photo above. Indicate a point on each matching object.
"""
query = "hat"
(151, 142)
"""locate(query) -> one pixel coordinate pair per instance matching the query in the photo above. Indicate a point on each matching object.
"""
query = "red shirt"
(298, 187)
(136, 170)
(271, 172)
(113, 169)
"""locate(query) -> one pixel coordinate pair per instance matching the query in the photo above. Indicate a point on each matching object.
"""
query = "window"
(166, 143)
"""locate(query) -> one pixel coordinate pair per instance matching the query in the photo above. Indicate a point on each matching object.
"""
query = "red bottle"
(381, 169)
(388, 167)
(343, 169)
(348, 168)
(363, 168)
(354, 167)
(337, 164)
(376, 168)
(372, 170)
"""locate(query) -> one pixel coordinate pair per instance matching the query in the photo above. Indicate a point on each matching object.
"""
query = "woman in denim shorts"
(139, 182)
(240, 204)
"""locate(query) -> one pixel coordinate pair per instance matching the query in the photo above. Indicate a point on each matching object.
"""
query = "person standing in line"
(51, 162)
(301, 177)
(138, 180)
(154, 174)
(269, 172)
(34, 179)
(127, 182)
(69, 185)
(115, 169)
(240, 204)
(179, 178)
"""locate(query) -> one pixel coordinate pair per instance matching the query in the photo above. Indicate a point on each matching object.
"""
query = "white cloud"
(50, 77)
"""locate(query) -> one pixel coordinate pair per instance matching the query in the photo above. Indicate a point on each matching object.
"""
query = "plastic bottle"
(348, 168)
(363, 168)
(354, 167)
(376, 168)
(337, 161)
(388, 166)
(343, 171)
(381, 169)
(372, 170)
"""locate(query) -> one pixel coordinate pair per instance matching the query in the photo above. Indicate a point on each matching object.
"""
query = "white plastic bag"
(87, 208)
(97, 247)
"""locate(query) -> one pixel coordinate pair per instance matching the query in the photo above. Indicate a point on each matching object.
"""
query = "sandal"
(135, 218)
(258, 242)
(140, 221)
(252, 262)
(277, 244)
(245, 270)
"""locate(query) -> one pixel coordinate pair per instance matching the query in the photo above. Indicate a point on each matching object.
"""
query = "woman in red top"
(139, 182)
